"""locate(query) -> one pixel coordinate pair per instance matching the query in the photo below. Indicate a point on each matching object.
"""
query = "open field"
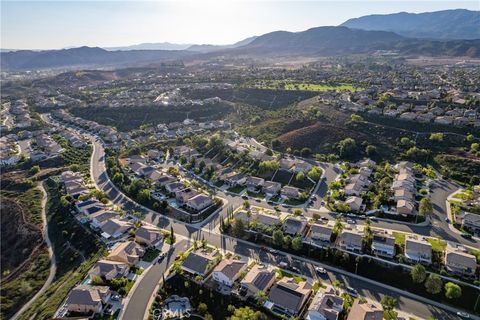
(305, 86)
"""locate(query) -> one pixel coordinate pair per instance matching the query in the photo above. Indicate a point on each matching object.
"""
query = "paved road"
(140, 298)
(406, 304)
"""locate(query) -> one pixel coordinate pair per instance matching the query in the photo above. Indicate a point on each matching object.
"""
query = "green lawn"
(399, 238)
(236, 189)
(437, 245)
(306, 86)
(150, 254)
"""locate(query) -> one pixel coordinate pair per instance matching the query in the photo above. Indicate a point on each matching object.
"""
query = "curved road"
(53, 263)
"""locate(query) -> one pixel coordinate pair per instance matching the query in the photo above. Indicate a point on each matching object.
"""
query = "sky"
(58, 24)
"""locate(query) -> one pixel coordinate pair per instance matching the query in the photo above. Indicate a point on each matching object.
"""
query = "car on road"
(320, 270)
(258, 200)
(350, 221)
(283, 264)
(463, 315)
(295, 269)
(273, 251)
(351, 291)
(324, 218)
(285, 205)
(245, 197)
(270, 202)
(467, 235)
(447, 220)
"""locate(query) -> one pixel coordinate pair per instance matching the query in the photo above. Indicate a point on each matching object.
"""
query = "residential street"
(407, 302)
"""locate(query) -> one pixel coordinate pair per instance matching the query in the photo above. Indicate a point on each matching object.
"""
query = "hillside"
(327, 41)
(84, 57)
(447, 24)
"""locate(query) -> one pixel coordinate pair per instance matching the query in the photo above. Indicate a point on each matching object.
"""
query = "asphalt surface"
(145, 289)
(366, 288)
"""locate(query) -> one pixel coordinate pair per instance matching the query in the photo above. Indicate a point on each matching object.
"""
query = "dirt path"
(53, 263)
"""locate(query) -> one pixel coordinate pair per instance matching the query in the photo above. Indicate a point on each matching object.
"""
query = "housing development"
(240, 183)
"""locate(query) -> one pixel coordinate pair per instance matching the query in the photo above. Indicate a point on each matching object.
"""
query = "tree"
(64, 202)
(425, 207)
(388, 302)
(297, 212)
(436, 136)
(347, 147)
(370, 150)
(355, 118)
(246, 205)
(433, 284)
(297, 243)
(246, 313)
(287, 241)
(470, 137)
(315, 173)
(202, 308)
(305, 152)
(260, 297)
(452, 290)
(418, 273)
(172, 235)
(268, 165)
(144, 196)
(406, 142)
(475, 147)
(34, 170)
(277, 237)
(239, 228)
(300, 176)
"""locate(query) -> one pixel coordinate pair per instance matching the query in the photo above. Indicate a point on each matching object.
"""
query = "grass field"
(306, 86)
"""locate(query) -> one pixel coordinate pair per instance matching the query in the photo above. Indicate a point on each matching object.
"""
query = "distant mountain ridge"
(206, 48)
(459, 24)
(83, 56)
(151, 46)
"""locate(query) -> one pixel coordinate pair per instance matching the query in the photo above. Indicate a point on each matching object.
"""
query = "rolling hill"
(457, 24)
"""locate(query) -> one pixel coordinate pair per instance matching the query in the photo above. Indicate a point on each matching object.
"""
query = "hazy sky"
(58, 24)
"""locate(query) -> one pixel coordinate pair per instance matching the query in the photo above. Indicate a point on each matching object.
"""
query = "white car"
(463, 315)
(320, 270)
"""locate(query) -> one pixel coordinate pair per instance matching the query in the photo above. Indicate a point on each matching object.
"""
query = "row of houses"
(404, 189)
(457, 259)
(188, 197)
(285, 296)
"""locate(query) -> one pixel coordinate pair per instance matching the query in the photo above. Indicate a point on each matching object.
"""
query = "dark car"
(245, 197)
(467, 235)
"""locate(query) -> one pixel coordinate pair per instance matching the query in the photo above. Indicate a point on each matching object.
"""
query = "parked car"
(463, 315)
(272, 250)
(350, 221)
(351, 291)
(296, 269)
(320, 270)
(283, 264)
(245, 197)
(467, 235)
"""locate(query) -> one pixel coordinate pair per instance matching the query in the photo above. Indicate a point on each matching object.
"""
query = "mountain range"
(457, 24)
(320, 41)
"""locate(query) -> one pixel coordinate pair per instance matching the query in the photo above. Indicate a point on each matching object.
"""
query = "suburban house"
(136, 158)
(164, 180)
(294, 226)
(254, 184)
(471, 221)
(271, 188)
(173, 187)
(199, 202)
(286, 164)
(259, 278)
(115, 228)
(365, 311)
(459, 261)
(355, 203)
(418, 250)
(183, 195)
(326, 305)
(85, 299)
(97, 219)
(302, 166)
(128, 252)
(84, 206)
(288, 297)
(321, 232)
(383, 244)
(234, 179)
(288, 192)
(266, 218)
(154, 154)
(353, 189)
(200, 262)
(403, 194)
(228, 271)
(109, 269)
(351, 240)
(149, 236)
(405, 207)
